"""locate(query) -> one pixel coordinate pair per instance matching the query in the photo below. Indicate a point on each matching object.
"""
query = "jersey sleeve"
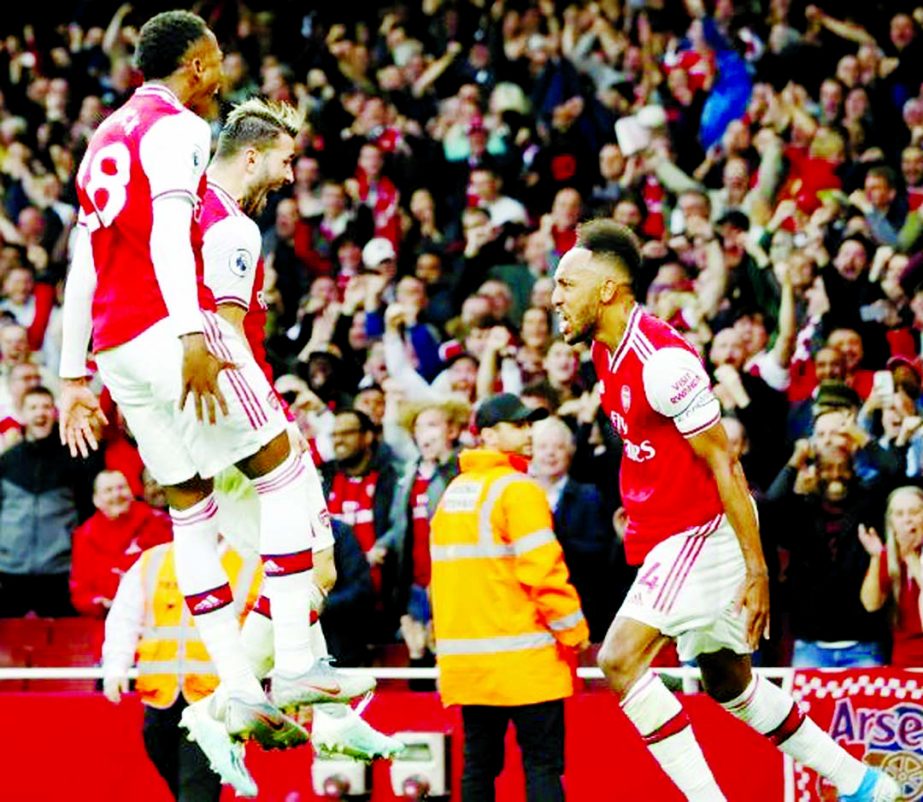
(230, 250)
(677, 386)
(174, 154)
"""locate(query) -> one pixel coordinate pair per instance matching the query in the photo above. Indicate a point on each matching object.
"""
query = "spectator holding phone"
(815, 508)
(892, 415)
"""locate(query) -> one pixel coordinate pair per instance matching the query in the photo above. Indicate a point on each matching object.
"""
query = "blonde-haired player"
(255, 151)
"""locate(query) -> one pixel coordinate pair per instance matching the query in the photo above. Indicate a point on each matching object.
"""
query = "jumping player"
(253, 158)
(133, 282)
(691, 527)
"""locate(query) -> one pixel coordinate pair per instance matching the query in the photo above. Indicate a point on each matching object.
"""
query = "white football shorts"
(145, 379)
(687, 587)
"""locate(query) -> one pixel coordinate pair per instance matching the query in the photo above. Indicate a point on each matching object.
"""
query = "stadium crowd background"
(769, 158)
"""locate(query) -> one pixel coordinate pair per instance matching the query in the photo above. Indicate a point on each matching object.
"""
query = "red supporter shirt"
(352, 501)
(698, 66)
(564, 239)
(907, 630)
(914, 198)
(104, 549)
(807, 176)
(150, 148)
(656, 393)
(422, 568)
(9, 421)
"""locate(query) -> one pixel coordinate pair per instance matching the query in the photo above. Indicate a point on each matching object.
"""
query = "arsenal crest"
(626, 397)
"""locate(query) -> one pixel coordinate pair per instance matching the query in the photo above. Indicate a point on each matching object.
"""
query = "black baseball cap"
(832, 394)
(735, 218)
(508, 408)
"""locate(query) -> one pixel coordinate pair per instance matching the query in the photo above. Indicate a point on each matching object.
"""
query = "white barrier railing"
(384, 673)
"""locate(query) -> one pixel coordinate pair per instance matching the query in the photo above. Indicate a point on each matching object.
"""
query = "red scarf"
(653, 196)
(419, 508)
(385, 207)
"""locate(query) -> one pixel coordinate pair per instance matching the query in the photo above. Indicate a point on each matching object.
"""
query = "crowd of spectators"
(767, 154)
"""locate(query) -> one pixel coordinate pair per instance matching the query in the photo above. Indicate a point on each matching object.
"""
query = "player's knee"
(267, 459)
(617, 666)
(187, 494)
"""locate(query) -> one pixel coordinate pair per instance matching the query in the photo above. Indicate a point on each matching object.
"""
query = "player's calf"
(667, 733)
(775, 714)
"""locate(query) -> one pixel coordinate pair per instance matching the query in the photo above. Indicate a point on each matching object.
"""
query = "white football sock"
(772, 712)
(285, 546)
(257, 639)
(319, 647)
(666, 730)
(204, 584)
(257, 635)
(318, 641)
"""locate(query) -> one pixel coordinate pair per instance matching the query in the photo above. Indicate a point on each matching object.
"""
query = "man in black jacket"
(44, 495)
(580, 523)
(751, 400)
(359, 485)
(347, 615)
(815, 507)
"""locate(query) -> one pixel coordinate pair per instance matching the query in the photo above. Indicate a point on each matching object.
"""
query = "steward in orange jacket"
(506, 619)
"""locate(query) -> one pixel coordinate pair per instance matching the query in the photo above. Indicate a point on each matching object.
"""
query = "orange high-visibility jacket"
(170, 655)
(505, 615)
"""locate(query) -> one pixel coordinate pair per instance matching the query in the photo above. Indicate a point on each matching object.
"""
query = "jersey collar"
(224, 195)
(159, 90)
(619, 353)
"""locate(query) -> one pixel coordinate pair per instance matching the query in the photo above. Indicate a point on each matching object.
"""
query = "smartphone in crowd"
(883, 383)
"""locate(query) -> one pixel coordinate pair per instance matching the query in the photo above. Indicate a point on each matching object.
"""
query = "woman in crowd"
(895, 573)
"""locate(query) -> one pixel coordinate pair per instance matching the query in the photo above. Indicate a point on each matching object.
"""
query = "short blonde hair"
(455, 410)
(257, 123)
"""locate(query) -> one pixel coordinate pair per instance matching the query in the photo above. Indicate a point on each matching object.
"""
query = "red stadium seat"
(25, 632)
(80, 633)
(55, 643)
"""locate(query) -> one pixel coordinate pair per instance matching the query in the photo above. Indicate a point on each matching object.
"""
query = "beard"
(206, 107)
(350, 461)
(253, 203)
(576, 331)
(580, 335)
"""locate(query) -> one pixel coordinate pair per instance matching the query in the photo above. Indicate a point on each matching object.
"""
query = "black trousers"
(47, 595)
(540, 733)
(181, 763)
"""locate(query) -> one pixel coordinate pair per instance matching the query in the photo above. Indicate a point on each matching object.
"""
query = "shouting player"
(692, 527)
(254, 157)
(133, 282)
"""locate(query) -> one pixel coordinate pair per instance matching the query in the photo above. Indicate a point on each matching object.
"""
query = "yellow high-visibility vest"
(170, 655)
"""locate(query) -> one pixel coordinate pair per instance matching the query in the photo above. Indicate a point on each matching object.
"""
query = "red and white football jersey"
(656, 393)
(233, 266)
(151, 147)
